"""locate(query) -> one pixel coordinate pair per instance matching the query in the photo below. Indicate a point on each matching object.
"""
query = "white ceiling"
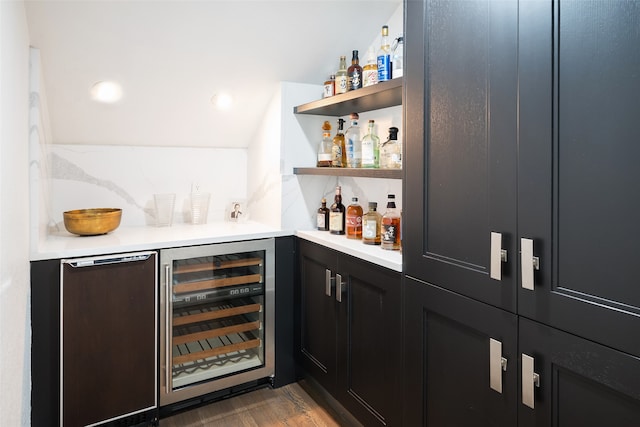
(171, 57)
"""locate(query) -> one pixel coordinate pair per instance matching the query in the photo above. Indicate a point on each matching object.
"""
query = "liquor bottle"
(329, 86)
(384, 56)
(370, 70)
(323, 216)
(353, 143)
(354, 72)
(390, 154)
(342, 79)
(370, 148)
(325, 147)
(391, 226)
(397, 57)
(371, 223)
(338, 150)
(337, 214)
(354, 220)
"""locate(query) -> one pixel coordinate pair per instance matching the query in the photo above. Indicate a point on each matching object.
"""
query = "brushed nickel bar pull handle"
(327, 282)
(528, 263)
(340, 287)
(498, 256)
(497, 364)
(167, 328)
(530, 379)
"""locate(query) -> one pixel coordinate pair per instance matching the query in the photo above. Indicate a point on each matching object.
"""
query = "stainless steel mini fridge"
(216, 317)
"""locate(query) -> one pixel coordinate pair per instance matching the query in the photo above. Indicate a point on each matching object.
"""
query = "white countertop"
(371, 253)
(127, 239)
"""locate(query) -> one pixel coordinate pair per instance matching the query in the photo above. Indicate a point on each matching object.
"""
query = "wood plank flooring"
(290, 405)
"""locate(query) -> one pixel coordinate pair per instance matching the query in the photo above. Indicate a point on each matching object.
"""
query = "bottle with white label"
(370, 148)
(325, 147)
(337, 214)
(342, 79)
(370, 69)
(371, 223)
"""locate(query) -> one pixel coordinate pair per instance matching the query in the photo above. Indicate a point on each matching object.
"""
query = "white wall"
(15, 329)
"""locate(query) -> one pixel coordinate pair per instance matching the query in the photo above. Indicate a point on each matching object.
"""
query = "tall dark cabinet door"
(369, 342)
(578, 203)
(318, 314)
(461, 111)
(581, 383)
(453, 349)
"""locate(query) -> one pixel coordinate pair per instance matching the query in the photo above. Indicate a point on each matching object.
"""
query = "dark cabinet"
(520, 147)
(461, 360)
(350, 323)
(461, 145)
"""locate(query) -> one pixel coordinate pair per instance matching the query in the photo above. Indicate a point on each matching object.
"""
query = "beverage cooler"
(216, 317)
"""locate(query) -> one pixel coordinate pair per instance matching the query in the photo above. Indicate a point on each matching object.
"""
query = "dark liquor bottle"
(354, 72)
(337, 214)
(323, 216)
(354, 220)
(391, 226)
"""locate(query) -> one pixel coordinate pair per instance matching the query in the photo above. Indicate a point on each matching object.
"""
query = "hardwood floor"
(290, 405)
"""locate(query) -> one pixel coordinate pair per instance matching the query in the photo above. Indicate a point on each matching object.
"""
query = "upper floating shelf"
(382, 95)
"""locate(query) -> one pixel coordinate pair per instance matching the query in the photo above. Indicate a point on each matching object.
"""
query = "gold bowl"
(91, 222)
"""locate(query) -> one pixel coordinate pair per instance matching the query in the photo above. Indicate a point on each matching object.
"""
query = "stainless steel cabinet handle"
(530, 379)
(327, 282)
(528, 263)
(497, 364)
(167, 328)
(498, 256)
(340, 287)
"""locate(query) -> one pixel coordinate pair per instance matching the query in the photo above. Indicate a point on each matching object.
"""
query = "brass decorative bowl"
(91, 222)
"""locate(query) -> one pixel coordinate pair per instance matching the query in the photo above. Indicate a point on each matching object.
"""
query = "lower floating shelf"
(353, 172)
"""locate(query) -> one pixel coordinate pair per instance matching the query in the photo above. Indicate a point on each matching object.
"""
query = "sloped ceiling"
(171, 57)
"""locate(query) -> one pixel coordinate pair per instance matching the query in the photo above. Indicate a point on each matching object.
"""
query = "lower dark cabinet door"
(369, 343)
(453, 352)
(582, 383)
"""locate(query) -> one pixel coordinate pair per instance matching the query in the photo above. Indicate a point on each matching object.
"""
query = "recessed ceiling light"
(222, 101)
(107, 92)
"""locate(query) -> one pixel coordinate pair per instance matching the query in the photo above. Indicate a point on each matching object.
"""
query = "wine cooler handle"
(497, 364)
(530, 379)
(327, 282)
(498, 256)
(167, 327)
(528, 263)
(341, 287)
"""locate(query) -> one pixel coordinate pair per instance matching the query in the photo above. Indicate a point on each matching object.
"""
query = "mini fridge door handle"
(167, 328)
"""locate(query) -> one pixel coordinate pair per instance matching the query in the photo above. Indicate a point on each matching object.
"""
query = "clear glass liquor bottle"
(354, 220)
(390, 155)
(354, 72)
(371, 147)
(353, 143)
(337, 214)
(325, 147)
(370, 69)
(384, 56)
(342, 80)
(391, 226)
(397, 57)
(371, 223)
(323, 216)
(338, 149)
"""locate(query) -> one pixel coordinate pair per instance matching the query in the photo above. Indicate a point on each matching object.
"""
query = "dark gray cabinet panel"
(461, 106)
(579, 97)
(447, 360)
(352, 345)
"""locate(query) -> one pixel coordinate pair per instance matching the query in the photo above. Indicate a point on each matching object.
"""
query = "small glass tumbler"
(164, 204)
(199, 207)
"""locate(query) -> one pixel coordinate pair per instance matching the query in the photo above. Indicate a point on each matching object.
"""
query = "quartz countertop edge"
(372, 253)
(141, 238)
